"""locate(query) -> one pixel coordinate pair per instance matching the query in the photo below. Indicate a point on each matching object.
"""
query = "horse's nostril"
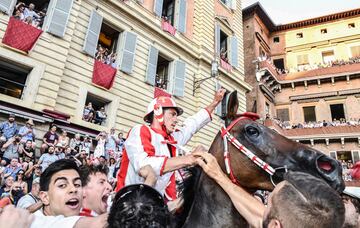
(325, 165)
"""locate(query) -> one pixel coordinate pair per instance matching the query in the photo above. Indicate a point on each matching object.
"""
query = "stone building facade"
(170, 44)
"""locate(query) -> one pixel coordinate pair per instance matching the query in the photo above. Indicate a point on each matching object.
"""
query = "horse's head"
(274, 149)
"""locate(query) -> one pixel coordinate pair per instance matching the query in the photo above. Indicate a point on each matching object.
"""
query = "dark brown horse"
(212, 207)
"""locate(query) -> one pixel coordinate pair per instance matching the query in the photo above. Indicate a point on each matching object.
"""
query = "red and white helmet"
(164, 102)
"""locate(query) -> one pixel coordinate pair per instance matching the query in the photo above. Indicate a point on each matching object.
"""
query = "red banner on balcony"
(20, 35)
(103, 75)
(225, 65)
(160, 93)
(167, 27)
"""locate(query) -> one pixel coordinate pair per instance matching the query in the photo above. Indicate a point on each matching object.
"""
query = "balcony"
(315, 132)
(335, 68)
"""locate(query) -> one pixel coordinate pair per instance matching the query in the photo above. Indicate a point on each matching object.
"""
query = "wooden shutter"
(7, 6)
(217, 39)
(152, 65)
(181, 16)
(158, 5)
(355, 156)
(218, 108)
(127, 55)
(59, 17)
(179, 78)
(232, 4)
(92, 34)
(234, 52)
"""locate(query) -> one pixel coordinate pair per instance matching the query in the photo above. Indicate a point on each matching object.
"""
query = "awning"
(23, 114)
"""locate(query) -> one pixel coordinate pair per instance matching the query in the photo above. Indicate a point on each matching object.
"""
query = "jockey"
(157, 145)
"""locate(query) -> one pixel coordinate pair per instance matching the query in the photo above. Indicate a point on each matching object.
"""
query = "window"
(328, 56)
(96, 109)
(279, 63)
(224, 46)
(162, 73)
(337, 111)
(355, 51)
(107, 45)
(299, 35)
(283, 114)
(302, 60)
(351, 25)
(276, 39)
(12, 79)
(168, 11)
(323, 31)
(344, 155)
(309, 114)
(30, 13)
(229, 3)
(103, 42)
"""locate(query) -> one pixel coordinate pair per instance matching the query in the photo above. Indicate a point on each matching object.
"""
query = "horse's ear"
(232, 107)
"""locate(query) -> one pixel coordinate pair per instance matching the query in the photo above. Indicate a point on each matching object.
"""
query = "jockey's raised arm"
(156, 145)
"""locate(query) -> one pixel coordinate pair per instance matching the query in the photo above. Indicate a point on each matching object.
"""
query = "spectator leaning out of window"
(88, 113)
(8, 128)
(28, 133)
(100, 116)
(50, 139)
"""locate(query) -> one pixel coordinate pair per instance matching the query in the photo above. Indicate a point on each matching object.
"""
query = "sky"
(285, 11)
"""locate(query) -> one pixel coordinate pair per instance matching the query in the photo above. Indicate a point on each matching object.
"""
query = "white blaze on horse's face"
(170, 119)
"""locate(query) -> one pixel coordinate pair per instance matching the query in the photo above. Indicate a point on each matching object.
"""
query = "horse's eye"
(252, 131)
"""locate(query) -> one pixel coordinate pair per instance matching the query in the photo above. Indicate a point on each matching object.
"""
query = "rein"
(227, 137)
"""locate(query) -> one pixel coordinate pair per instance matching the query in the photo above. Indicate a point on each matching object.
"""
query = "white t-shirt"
(26, 201)
(60, 221)
(47, 159)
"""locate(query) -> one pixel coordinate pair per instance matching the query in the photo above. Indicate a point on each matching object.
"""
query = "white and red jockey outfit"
(148, 146)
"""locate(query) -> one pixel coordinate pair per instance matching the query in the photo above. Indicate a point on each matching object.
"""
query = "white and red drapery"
(225, 65)
(167, 27)
(160, 93)
(103, 75)
(20, 35)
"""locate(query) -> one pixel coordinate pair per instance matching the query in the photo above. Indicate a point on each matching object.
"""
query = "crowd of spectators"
(106, 56)
(29, 15)
(22, 162)
(347, 166)
(94, 116)
(308, 67)
(317, 124)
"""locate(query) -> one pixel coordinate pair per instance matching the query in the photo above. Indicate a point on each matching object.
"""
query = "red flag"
(20, 35)
(103, 75)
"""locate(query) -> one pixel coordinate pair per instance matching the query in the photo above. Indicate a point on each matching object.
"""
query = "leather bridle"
(228, 137)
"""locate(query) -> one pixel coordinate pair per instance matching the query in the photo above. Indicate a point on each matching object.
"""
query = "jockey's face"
(170, 119)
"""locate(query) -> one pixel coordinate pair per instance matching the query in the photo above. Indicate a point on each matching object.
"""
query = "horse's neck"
(212, 207)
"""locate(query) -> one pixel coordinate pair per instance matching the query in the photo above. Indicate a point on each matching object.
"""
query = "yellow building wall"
(339, 38)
